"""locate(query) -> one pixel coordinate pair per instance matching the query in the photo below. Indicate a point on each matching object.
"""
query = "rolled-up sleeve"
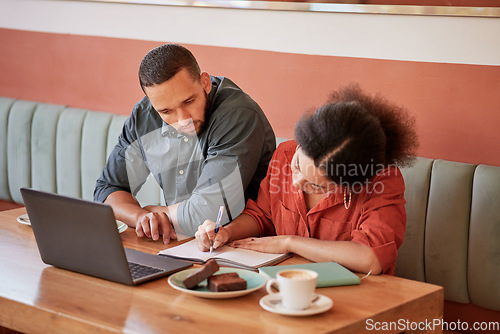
(260, 210)
(124, 164)
(267, 210)
(382, 222)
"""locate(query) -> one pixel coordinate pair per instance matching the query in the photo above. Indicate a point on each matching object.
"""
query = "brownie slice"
(199, 275)
(226, 282)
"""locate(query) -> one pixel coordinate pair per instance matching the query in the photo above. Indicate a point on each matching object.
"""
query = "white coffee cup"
(296, 287)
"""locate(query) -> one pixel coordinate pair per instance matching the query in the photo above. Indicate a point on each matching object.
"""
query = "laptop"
(82, 236)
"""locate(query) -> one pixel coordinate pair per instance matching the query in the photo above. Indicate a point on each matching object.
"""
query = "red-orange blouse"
(376, 216)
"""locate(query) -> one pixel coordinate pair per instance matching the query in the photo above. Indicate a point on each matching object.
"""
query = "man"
(205, 141)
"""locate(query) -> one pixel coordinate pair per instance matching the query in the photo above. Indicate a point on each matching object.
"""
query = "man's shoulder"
(143, 107)
(144, 118)
(227, 95)
(237, 111)
(222, 82)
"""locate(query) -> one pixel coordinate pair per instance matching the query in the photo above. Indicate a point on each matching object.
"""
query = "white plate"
(272, 303)
(24, 219)
(254, 280)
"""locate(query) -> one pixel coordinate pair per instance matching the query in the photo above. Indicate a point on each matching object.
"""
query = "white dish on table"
(272, 303)
(25, 220)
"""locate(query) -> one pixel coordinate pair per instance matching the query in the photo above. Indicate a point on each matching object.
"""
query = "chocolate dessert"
(196, 277)
(226, 282)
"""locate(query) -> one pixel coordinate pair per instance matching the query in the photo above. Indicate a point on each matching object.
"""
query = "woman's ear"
(206, 82)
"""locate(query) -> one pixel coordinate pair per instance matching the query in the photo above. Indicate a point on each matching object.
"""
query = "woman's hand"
(277, 244)
(205, 236)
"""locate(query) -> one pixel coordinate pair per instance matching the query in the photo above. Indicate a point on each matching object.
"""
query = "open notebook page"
(245, 257)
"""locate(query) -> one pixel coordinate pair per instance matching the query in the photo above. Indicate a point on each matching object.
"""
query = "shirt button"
(181, 172)
(186, 139)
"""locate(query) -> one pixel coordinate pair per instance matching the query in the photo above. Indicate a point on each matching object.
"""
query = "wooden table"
(38, 298)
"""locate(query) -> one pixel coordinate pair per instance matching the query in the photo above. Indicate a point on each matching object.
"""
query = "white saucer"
(272, 303)
(25, 220)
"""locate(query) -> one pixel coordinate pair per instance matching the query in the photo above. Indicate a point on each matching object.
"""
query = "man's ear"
(206, 82)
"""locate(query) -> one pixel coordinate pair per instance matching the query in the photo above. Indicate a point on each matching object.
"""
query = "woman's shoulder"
(283, 155)
(285, 151)
(288, 145)
(389, 179)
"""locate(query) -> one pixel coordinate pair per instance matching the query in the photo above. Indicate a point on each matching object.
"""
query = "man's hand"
(153, 224)
(150, 221)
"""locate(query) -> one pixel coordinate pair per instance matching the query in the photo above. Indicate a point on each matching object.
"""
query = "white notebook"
(225, 256)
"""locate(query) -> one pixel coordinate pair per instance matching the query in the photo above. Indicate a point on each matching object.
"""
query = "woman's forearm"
(350, 254)
(241, 227)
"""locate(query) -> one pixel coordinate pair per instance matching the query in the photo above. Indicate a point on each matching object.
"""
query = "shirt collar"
(168, 131)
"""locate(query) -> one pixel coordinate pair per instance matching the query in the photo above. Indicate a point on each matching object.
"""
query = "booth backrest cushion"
(453, 230)
(57, 149)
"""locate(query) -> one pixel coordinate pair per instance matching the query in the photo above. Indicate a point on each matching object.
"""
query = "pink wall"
(456, 106)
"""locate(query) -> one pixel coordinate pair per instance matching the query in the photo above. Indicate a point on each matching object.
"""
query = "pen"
(217, 225)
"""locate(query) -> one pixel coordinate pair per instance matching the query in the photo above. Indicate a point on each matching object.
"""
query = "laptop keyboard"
(139, 270)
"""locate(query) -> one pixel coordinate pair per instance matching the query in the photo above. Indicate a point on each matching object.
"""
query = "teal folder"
(329, 273)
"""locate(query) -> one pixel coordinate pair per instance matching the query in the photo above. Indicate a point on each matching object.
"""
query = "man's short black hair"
(165, 61)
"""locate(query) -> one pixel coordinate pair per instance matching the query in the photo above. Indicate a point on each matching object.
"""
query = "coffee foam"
(297, 275)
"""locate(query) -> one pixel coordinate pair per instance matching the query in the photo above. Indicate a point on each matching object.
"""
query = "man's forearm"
(125, 207)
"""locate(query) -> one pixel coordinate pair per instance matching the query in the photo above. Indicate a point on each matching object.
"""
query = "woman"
(334, 194)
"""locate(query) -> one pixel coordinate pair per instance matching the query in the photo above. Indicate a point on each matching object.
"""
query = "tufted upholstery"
(453, 226)
(453, 231)
(57, 149)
